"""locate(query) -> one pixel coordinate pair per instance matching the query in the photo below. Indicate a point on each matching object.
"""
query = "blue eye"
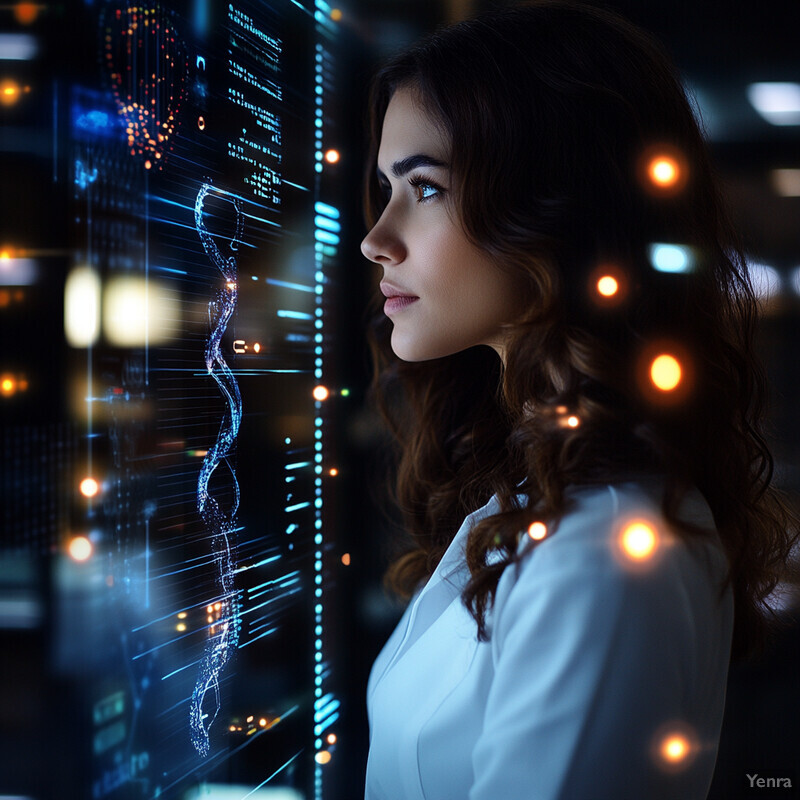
(426, 190)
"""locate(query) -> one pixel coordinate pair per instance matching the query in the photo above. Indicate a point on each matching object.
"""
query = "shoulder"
(614, 550)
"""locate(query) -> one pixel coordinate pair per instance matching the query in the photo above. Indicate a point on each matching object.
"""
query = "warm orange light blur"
(201, 123)
(262, 722)
(9, 92)
(331, 739)
(638, 540)
(89, 487)
(346, 559)
(674, 748)
(320, 393)
(664, 171)
(336, 14)
(665, 372)
(5, 254)
(537, 530)
(7, 385)
(79, 548)
(26, 13)
(573, 421)
(607, 286)
(333, 472)
(332, 156)
(256, 348)
(180, 627)
(323, 757)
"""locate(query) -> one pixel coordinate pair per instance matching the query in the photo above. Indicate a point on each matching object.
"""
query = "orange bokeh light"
(665, 372)
(320, 393)
(89, 487)
(664, 171)
(79, 548)
(607, 286)
(638, 540)
(332, 156)
(537, 530)
(26, 13)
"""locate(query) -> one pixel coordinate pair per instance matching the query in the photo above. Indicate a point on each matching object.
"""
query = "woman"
(591, 528)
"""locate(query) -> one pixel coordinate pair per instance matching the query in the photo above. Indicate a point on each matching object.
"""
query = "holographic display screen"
(169, 276)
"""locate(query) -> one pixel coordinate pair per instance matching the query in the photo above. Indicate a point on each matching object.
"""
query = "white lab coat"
(595, 660)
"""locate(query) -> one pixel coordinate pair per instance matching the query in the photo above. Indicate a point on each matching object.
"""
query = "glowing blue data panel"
(168, 471)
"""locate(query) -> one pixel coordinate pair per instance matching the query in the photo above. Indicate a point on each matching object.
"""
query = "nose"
(382, 244)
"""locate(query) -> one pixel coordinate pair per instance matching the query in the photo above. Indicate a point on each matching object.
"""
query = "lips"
(389, 290)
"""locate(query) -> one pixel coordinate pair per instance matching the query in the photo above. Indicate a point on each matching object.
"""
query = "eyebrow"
(405, 165)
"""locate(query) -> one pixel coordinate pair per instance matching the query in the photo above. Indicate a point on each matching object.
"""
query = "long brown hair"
(552, 110)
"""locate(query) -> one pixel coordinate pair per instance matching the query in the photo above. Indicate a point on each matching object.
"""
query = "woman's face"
(460, 298)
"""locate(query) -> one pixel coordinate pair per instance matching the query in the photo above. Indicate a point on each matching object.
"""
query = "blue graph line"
(224, 634)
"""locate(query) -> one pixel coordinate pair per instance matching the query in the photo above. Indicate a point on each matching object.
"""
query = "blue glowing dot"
(318, 503)
(318, 420)
(318, 656)
(318, 457)
(318, 470)
(318, 644)
(671, 258)
(318, 608)
(287, 440)
(318, 168)
(318, 630)
(318, 592)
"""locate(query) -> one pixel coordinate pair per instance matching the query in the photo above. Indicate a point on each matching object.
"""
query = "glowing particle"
(331, 156)
(320, 393)
(674, 748)
(262, 722)
(537, 530)
(180, 627)
(665, 372)
(232, 728)
(256, 348)
(322, 757)
(182, 615)
(26, 13)
(573, 421)
(607, 286)
(89, 487)
(336, 14)
(663, 171)
(79, 548)
(250, 718)
(201, 123)
(638, 540)
(331, 739)
(231, 285)
(346, 559)
(9, 92)
(333, 472)
(345, 393)
(7, 385)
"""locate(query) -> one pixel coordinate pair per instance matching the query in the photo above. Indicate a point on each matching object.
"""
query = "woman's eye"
(424, 189)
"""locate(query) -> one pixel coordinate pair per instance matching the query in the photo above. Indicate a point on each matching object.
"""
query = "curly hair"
(552, 111)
